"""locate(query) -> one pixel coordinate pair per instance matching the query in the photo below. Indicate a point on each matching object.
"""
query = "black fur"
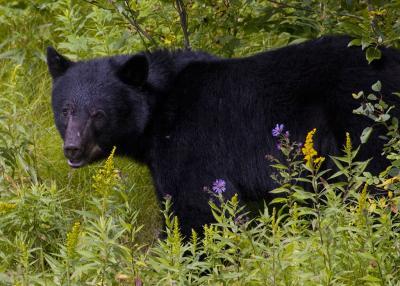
(194, 118)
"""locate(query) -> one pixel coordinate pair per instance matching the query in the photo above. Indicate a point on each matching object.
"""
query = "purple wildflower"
(279, 146)
(219, 186)
(278, 130)
(287, 134)
(299, 146)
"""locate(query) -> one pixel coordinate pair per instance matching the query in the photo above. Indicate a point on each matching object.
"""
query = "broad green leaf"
(355, 42)
(373, 54)
(377, 86)
(365, 134)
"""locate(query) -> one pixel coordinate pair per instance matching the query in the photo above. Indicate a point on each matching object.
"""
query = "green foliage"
(98, 226)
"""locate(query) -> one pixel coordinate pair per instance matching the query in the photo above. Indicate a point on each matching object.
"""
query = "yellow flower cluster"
(5, 207)
(208, 236)
(348, 147)
(72, 239)
(235, 200)
(106, 177)
(310, 154)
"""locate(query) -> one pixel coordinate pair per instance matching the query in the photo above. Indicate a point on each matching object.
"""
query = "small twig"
(132, 20)
(130, 17)
(180, 7)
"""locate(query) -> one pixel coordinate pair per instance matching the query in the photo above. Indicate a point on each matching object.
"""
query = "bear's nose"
(72, 151)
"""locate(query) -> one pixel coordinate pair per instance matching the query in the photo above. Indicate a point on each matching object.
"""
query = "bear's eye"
(99, 119)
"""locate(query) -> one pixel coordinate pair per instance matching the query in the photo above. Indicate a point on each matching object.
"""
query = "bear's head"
(98, 104)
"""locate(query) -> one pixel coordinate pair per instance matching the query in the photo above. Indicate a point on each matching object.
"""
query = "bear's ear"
(57, 64)
(134, 71)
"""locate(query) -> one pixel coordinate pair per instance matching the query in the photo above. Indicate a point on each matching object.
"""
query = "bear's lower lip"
(76, 164)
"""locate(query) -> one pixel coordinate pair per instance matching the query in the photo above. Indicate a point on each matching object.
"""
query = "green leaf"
(396, 93)
(278, 201)
(384, 117)
(355, 42)
(280, 190)
(358, 95)
(372, 97)
(365, 44)
(383, 104)
(373, 54)
(365, 134)
(279, 166)
(370, 278)
(376, 86)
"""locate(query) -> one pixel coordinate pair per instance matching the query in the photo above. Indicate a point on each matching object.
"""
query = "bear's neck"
(164, 66)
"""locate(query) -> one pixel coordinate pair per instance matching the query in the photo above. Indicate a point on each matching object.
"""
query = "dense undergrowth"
(99, 225)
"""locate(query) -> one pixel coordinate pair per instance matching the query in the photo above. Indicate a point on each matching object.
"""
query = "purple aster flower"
(219, 186)
(299, 146)
(278, 130)
(287, 134)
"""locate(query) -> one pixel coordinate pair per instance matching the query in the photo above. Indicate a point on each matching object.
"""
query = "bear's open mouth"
(94, 154)
(76, 164)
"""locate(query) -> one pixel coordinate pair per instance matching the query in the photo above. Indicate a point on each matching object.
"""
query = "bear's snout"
(72, 151)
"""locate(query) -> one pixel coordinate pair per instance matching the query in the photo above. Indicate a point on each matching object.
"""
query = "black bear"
(195, 119)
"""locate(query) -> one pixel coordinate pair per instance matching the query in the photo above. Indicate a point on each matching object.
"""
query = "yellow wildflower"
(194, 240)
(382, 203)
(348, 146)
(318, 162)
(309, 152)
(208, 236)
(5, 207)
(72, 239)
(362, 199)
(106, 177)
(372, 206)
(234, 200)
